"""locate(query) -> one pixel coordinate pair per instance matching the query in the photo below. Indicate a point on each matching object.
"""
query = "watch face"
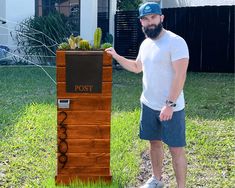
(170, 103)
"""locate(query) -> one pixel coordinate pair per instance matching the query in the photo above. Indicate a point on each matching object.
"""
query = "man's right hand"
(128, 64)
(112, 52)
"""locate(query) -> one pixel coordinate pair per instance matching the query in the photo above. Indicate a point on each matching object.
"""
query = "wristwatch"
(170, 103)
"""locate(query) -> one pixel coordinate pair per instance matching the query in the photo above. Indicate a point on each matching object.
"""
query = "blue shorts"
(171, 132)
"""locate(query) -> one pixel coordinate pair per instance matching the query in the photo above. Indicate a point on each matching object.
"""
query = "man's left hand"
(166, 113)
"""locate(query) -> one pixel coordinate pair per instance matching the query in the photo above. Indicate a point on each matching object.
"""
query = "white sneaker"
(153, 183)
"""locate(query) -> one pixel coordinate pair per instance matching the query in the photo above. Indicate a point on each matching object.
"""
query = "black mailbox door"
(84, 73)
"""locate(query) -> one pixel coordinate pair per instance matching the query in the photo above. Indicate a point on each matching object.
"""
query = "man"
(163, 57)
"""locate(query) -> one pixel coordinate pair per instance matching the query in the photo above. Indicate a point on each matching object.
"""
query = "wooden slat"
(85, 117)
(107, 59)
(85, 52)
(86, 160)
(67, 179)
(61, 91)
(88, 145)
(89, 171)
(106, 75)
(90, 103)
(60, 56)
(85, 132)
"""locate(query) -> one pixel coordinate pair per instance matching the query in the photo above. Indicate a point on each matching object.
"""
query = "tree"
(128, 4)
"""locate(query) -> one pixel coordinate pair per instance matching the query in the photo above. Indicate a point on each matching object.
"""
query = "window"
(69, 8)
(103, 16)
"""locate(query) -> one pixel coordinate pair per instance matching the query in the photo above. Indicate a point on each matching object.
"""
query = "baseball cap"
(149, 8)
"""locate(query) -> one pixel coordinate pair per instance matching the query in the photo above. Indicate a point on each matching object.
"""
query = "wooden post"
(84, 93)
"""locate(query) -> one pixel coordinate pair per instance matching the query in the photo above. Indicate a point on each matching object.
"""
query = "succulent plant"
(74, 41)
(84, 45)
(71, 41)
(97, 38)
(106, 45)
(79, 43)
(64, 46)
(77, 40)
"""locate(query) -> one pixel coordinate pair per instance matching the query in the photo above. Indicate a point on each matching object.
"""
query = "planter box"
(84, 93)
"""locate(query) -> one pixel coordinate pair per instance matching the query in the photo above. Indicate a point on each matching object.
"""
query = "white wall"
(15, 12)
(191, 3)
(18, 10)
(2, 8)
(88, 19)
(3, 30)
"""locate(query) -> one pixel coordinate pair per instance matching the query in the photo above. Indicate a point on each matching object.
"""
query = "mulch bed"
(146, 170)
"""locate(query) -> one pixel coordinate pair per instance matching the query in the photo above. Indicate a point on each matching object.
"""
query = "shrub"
(38, 37)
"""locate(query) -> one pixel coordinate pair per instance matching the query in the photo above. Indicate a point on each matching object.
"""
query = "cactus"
(84, 45)
(97, 38)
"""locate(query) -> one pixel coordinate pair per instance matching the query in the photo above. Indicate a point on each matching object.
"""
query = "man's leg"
(156, 155)
(179, 165)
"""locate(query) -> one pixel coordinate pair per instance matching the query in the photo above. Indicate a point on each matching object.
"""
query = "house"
(87, 15)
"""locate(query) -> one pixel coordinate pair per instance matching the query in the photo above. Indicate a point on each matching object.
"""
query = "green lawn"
(28, 129)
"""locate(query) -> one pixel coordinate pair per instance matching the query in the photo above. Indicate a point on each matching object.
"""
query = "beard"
(153, 31)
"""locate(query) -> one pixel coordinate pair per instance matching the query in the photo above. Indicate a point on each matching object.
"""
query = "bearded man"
(163, 58)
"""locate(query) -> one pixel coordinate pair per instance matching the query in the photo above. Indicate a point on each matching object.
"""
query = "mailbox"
(84, 93)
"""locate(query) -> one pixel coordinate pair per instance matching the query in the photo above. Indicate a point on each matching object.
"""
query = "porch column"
(112, 12)
(88, 19)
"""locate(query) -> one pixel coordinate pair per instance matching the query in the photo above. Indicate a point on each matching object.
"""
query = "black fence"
(208, 31)
(128, 34)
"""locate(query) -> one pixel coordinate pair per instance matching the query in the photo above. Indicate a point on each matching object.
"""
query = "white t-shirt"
(157, 57)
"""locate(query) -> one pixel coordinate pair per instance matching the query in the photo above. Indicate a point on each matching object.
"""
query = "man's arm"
(128, 64)
(180, 70)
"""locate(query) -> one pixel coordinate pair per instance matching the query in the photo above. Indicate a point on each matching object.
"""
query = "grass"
(28, 129)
